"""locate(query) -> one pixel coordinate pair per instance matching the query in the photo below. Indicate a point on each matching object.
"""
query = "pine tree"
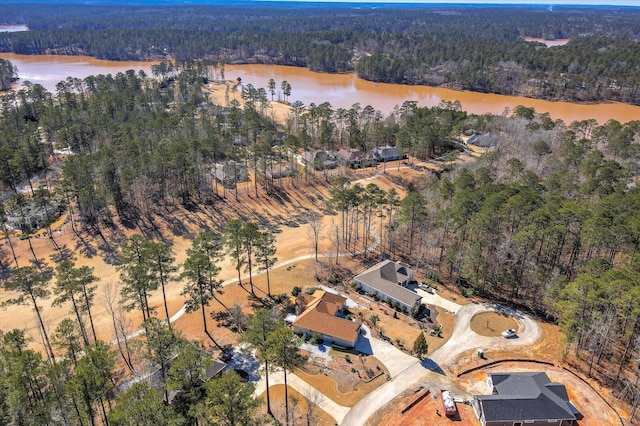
(420, 346)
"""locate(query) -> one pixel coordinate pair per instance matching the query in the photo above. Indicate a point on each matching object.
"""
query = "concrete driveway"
(430, 369)
(436, 299)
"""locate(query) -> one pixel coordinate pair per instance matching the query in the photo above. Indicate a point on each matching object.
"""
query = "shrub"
(310, 290)
(347, 358)
(316, 339)
(466, 291)
(296, 291)
(433, 275)
(395, 314)
(354, 370)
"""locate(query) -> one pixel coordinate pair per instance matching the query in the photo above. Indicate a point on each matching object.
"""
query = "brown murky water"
(340, 90)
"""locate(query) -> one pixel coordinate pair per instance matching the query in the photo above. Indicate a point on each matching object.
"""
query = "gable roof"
(525, 396)
(352, 155)
(230, 170)
(386, 151)
(386, 277)
(319, 316)
(322, 156)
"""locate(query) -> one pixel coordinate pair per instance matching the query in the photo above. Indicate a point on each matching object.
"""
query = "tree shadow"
(431, 365)
(84, 248)
(63, 254)
(5, 270)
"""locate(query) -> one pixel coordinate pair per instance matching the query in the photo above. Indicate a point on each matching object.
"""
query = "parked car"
(426, 288)
(509, 333)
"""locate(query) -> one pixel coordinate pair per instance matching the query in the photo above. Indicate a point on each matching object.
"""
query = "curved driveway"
(462, 340)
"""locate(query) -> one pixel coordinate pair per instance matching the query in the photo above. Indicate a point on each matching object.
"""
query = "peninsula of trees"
(8, 74)
(479, 48)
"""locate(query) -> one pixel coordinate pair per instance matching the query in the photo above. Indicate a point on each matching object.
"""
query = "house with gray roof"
(387, 153)
(33, 215)
(156, 379)
(524, 398)
(389, 280)
(280, 170)
(320, 160)
(230, 173)
(354, 158)
(485, 141)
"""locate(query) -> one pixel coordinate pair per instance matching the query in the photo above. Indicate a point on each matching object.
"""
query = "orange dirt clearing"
(319, 417)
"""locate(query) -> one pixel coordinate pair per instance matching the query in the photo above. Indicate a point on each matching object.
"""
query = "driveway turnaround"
(462, 340)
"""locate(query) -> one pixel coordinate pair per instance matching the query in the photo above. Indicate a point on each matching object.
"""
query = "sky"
(544, 2)
(523, 2)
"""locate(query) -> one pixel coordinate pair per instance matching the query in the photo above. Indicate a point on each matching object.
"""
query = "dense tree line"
(8, 74)
(547, 221)
(471, 48)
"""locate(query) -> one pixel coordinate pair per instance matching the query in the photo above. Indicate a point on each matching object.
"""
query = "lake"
(340, 90)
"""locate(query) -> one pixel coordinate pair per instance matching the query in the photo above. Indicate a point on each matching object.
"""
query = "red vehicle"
(448, 403)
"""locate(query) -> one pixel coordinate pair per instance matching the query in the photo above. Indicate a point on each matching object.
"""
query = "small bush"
(296, 291)
(395, 314)
(354, 370)
(378, 368)
(310, 290)
(316, 339)
(433, 275)
(333, 279)
(347, 358)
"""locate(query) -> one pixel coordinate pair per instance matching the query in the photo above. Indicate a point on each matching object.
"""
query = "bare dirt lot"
(594, 408)
(428, 411)
(298, 407)
(176, 226)
(340, 383)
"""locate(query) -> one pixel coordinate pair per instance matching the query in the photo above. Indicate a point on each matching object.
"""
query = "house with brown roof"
(322, 314)
(388, 280)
